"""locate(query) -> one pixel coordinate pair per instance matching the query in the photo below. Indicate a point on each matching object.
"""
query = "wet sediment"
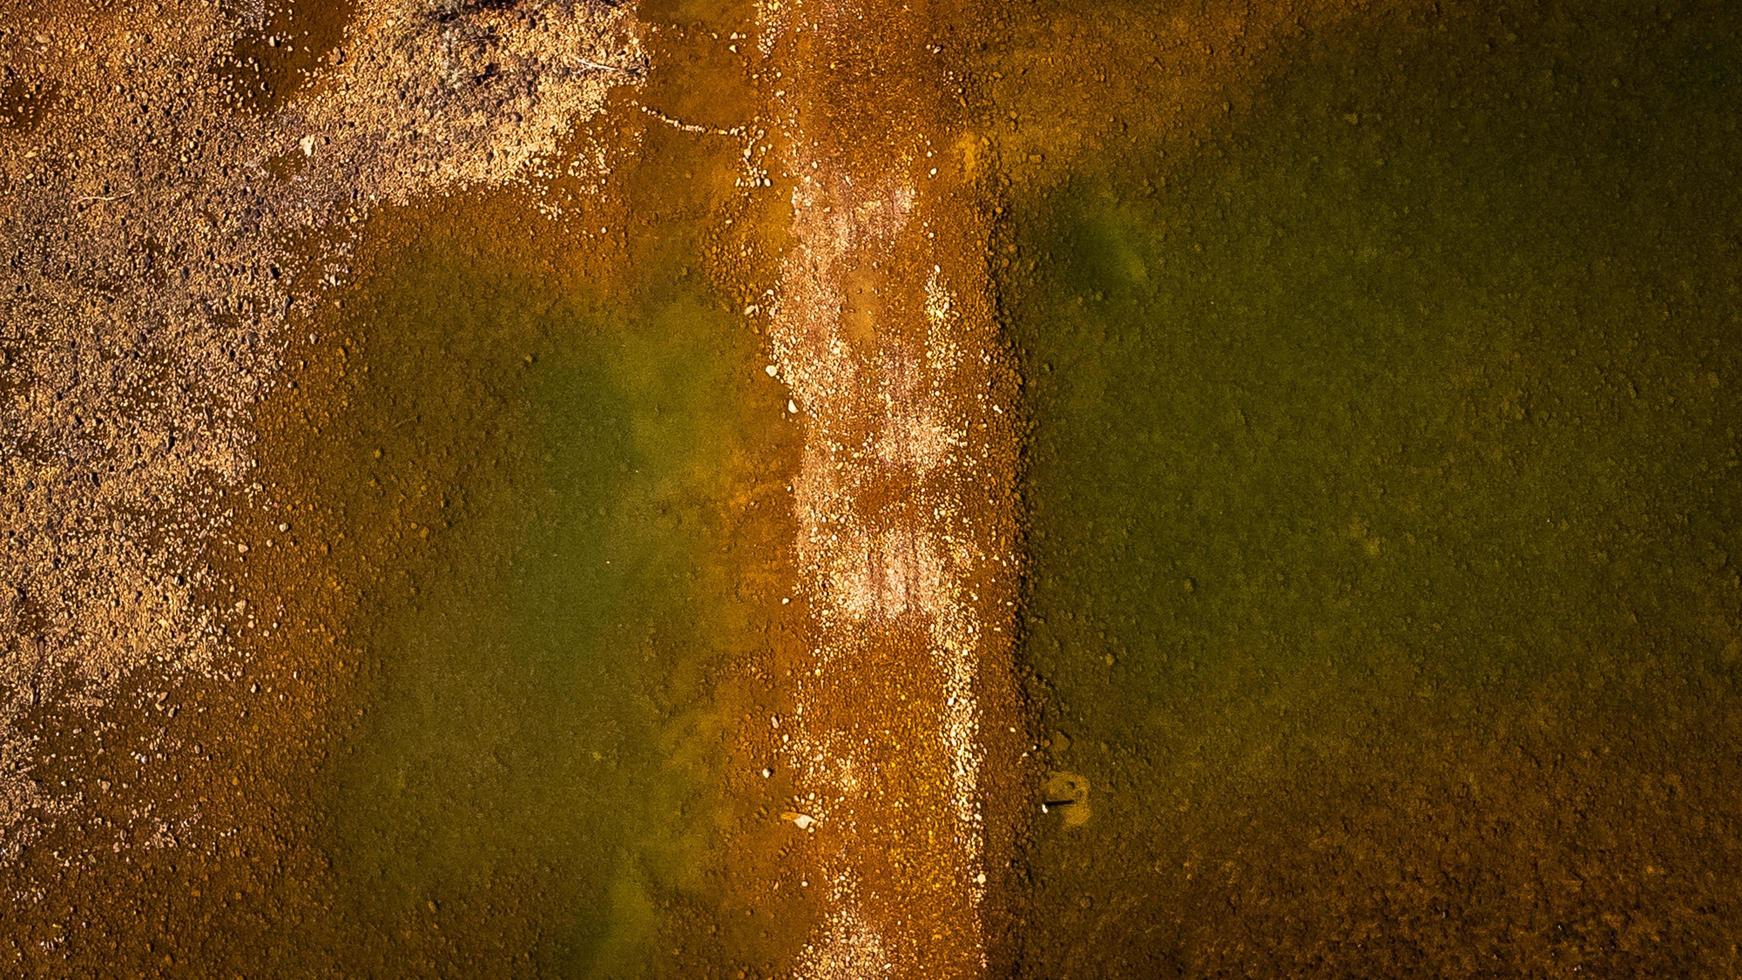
(620, 574)
(899, 688)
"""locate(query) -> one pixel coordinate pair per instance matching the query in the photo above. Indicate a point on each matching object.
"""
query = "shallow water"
(1379, 372)
(1381, 512)
(536, 738)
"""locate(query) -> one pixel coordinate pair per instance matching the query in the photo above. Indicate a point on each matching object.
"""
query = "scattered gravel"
(160, 236)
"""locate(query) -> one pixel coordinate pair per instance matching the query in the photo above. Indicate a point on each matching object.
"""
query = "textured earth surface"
(844, 488)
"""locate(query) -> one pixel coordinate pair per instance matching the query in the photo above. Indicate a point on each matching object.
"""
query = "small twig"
(601, 66)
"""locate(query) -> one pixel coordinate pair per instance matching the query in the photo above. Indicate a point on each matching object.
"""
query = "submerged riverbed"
(1382, 521)
(1322, 418)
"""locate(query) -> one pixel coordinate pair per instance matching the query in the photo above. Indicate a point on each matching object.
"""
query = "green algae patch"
(544, 463)
(1382, 514)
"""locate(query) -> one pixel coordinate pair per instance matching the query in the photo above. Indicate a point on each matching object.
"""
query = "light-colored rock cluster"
(159, 238)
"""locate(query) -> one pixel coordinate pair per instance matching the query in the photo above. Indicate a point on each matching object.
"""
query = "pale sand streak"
(883, 332)
(864, 575)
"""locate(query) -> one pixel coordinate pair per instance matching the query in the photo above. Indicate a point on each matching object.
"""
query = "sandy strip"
(883, 331)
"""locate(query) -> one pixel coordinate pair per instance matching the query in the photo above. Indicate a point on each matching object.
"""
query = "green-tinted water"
(533, 767)
(1383, 510)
